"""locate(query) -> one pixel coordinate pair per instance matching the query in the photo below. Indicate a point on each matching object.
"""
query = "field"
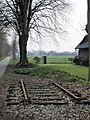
(58, 59)
(53, 69)
(56, 65)
(54, 59)
(80, 71)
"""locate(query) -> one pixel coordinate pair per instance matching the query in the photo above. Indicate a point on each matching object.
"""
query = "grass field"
(50, 59)
(76, 70)
(56, 69)
(58, 59)
(54, 59)
(56, 64)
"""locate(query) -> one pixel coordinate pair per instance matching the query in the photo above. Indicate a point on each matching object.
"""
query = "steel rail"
(24, 91)
(68, 92)
(43, 97)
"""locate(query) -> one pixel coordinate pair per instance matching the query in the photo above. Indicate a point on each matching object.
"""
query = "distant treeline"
(51, 53)
(5, 50)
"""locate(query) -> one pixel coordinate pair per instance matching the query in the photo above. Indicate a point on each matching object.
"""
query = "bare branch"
(38, 17)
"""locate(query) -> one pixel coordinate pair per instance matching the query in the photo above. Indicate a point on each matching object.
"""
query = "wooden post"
(45, 59)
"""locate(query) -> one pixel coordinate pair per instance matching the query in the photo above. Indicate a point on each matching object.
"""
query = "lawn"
(58, 59)
(76, 70)
(55, 64)
(47, 70)
(50, 59)
(53, 59)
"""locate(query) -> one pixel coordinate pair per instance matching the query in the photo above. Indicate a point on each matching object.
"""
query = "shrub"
(37, 59)
(71, 59)
(81, 61)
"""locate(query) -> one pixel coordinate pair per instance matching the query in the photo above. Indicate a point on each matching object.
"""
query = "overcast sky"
(75, 28)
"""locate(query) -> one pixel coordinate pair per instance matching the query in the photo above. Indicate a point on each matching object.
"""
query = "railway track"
(41, 94)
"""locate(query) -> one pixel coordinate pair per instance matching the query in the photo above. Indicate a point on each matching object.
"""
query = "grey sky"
(75, 28)
(75, 31)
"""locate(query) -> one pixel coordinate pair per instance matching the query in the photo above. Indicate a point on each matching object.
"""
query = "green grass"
(55, 65)
(53, 59)
(56, 69)
(76, 70)
(50, 59)
(58, 59)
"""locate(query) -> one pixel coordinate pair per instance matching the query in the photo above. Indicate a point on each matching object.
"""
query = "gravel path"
(38, 112)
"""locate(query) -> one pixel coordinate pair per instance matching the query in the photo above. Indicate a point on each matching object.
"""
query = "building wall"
(84, 53)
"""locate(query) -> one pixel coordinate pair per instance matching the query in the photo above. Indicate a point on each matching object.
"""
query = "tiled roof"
(83, 43)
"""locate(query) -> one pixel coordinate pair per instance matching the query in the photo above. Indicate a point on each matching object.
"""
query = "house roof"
(83, 43)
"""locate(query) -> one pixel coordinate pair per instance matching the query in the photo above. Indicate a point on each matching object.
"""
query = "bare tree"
(88, 14)
(26, 16)
(2, 43)
(14, 47)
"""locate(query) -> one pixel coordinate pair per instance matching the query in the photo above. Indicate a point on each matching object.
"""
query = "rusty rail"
(24, 91)
(42, 96)
(68, 92)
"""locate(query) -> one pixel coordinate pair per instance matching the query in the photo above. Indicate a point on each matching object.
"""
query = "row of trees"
(2, 43)
(5, 48)
(51, 53)
(31, 16)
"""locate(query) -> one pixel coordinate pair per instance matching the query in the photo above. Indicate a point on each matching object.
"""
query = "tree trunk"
(14, 49)
(20, 46)
(88, 14)
(24, 53)
(14, 55)
(23, 49)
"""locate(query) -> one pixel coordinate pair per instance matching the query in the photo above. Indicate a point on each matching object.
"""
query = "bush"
(81, 61)
(71, 59)
(37, 59)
